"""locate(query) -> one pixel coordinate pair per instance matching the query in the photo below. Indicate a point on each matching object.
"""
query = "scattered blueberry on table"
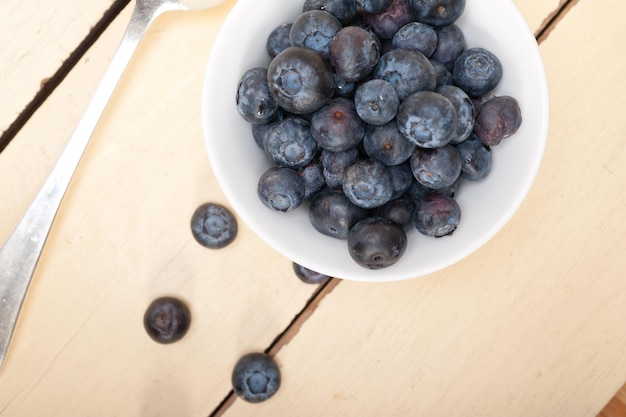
(309, 276)
(380, 113)
(256, 377)
(167, 319)
(213, 225)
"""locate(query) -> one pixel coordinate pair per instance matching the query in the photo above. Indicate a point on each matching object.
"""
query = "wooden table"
(530, 325)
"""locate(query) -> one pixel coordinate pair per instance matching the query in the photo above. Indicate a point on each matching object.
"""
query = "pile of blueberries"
(374, 112)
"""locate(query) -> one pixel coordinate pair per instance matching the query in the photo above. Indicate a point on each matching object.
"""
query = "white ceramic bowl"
(486, 206)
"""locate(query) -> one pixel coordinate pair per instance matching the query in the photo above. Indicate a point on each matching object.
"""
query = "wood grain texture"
(528, 326)
(36, 37)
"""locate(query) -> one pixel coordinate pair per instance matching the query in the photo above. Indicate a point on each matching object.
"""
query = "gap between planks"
(286, 336)
(48, 85)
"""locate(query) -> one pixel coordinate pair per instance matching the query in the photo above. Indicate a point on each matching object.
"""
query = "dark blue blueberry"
(300, 80)
(353, 53)
(259, 130)
(416, 35)
(256, 377)
(465, 111)
(334, 165)
(367, 183)
(213, 225)
(344, 88)
(498, 118)
(254, 101)
(386, 23)
(437, 12)
(344, 10)
(477, 71)
(332, 214)
(167, 320)
(374, 6)
(314, 29)
(475, 159)
(401, 211)
(376, 243)
(442, 74)
(450, 44)
(427, 119)
(408, 71)
(336, 126)
(386, 144)
(289, 143)
(313, 176)
(281, 189)
(278, 40)
(376, 102)
(401, 179)
(417, 191)
(309, 276)
(436, 168)
(437, 215)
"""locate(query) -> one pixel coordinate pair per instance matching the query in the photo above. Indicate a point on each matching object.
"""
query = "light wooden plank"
(530, 325)
(36, 37)
(122, 238)
(538, 13)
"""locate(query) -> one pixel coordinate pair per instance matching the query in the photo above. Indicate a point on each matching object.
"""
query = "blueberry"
(167, 320)
(332, 214)
(437, 215)
(418, 192)
(376, 102)
(344, 88)
(300, 80)
(256, 377)
(401, 179)
(353, 53)
(334, 165)
(386, 144)
(336, 126)
(289, 143)
(344, 10)
(465, 111)
(314, 29)
(436, 168)
(374, 6)
(427, 119)
(281, 189)
(309, 276)
(376, 243)
(260, 130)
(498, 118)
(477, 71)
(386, 23)
(416, 35)
(278, 40)
(367, 183)
(213, 226)
(437, 12)
(476, 159)
(254, 101)
(408, 71)
(442, 74)
(450, 44)
(400, 210)
(313, 176)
